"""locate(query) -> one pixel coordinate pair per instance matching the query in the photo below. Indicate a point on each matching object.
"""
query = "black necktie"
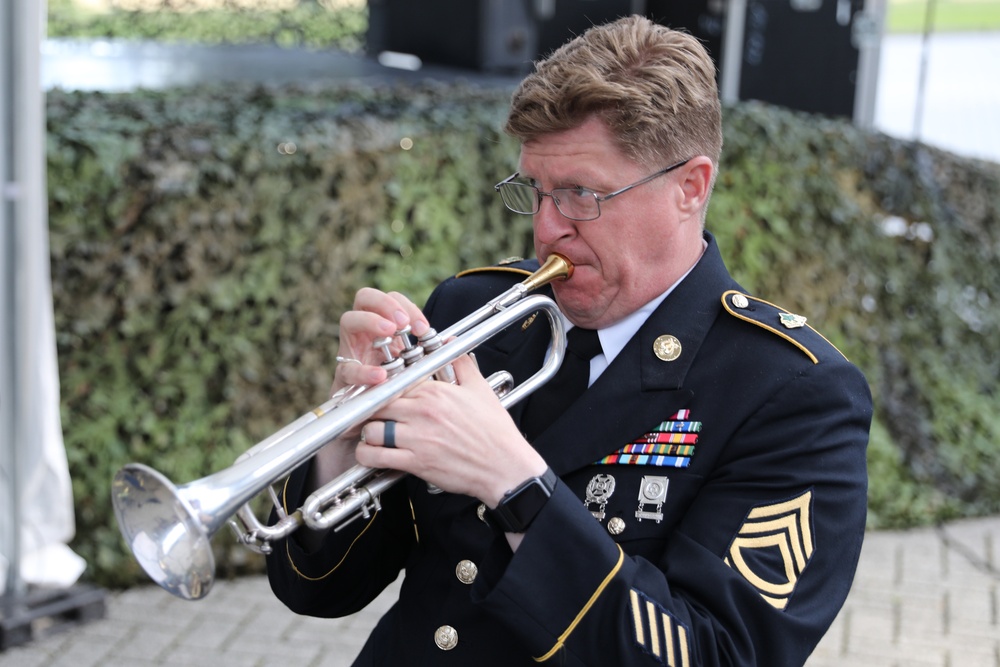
(548, 402)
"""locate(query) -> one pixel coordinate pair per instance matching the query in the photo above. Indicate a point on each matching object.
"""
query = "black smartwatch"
(518, 508)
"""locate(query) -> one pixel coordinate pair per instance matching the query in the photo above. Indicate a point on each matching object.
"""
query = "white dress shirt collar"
(615, 337)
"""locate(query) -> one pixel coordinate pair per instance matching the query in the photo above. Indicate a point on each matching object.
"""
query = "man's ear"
(695, 186)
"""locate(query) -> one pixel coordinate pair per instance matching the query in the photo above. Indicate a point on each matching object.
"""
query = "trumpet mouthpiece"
(556, 267)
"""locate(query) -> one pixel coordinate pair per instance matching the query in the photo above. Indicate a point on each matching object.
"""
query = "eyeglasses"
(580, 204)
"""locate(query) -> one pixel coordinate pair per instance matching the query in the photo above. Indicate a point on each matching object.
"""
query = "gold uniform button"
(616, 525)
(466, 571)
(446, 637)
(481, 512)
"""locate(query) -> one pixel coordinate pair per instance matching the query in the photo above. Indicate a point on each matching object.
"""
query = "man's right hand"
(375, 315)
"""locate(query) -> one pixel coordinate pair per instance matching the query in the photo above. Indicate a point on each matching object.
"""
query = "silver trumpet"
(169, 528)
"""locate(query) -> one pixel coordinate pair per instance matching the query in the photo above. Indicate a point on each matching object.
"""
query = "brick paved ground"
(924, 598)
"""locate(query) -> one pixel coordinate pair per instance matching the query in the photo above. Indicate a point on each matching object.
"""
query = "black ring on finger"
(390, 434)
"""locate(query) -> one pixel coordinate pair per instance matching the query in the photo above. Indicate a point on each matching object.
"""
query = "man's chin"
(574, 304)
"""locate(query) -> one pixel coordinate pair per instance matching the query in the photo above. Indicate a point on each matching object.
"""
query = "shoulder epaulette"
(503, 266)
(778, 321)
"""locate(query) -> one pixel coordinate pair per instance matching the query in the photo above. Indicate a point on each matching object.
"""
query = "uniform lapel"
(524, 350)
(639, 390)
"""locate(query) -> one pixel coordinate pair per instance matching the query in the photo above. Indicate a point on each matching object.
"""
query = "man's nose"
(551, 225)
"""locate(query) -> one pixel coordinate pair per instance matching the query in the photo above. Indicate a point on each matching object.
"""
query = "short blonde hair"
(654, 87)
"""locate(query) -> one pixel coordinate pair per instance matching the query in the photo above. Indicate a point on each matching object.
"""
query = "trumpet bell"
(163, 531)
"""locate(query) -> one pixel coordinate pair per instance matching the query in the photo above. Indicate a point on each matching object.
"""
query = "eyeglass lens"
(520, 197)
(574, 203)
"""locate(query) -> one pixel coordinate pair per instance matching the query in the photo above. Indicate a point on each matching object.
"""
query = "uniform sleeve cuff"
(518, 588)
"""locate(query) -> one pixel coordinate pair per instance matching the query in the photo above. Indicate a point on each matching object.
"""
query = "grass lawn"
(949, 15)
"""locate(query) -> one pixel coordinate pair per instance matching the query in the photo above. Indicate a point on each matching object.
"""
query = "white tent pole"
(35, 489)
(10, 535)
(29, 383)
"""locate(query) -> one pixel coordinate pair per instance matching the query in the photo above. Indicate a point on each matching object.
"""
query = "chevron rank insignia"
(773, 547)
(658, 633)
(670, 444)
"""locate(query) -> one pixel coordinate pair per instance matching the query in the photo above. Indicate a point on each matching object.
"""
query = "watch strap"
(519, 507)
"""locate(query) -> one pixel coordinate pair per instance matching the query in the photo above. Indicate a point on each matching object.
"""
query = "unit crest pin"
(792, 321)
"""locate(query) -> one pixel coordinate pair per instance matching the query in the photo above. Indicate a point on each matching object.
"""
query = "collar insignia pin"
(667, 348)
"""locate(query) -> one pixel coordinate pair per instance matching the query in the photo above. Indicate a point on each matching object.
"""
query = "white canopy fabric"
(36, 500)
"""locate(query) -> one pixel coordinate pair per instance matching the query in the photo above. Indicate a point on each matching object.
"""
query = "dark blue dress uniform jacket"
(744, 560)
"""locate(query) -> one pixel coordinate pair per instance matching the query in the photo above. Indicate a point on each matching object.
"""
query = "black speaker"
(486, 35)
(801, 54)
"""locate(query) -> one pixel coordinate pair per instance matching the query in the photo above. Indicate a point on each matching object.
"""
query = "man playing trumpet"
(702, 502)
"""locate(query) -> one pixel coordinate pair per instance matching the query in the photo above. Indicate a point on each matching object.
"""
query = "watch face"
(529, 501)
(517, 510)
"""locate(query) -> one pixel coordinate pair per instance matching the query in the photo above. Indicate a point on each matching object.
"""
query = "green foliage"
(205, 241)
(307, 24)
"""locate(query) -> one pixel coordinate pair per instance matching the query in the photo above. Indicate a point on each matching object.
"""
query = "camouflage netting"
(204, 243)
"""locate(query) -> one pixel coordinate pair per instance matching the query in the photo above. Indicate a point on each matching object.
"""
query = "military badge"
(670, 444)
(773, 547)
(599, 490)
(652, 491)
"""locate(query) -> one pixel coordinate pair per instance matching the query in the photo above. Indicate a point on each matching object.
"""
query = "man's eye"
(577, 192)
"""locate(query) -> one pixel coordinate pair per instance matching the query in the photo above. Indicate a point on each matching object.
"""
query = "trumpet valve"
(391, 364)
(430, 341)
(411, 352)
(404, 337)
